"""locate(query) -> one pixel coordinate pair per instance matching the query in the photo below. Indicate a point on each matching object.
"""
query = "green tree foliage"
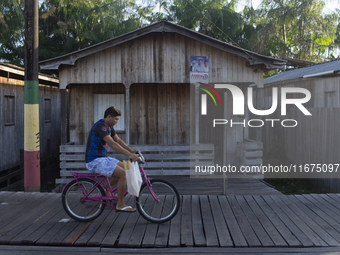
(217, 19)
(278, 28)
(12, 25)
(67, 25)
(337, 35)
(294, 28)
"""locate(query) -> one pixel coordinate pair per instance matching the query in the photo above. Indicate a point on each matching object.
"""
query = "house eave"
(299, 79)
(19, 73)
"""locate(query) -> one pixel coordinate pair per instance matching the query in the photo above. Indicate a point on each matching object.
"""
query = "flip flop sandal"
(124, 208)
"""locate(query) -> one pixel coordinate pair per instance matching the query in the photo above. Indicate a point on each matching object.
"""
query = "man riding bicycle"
(102, 134)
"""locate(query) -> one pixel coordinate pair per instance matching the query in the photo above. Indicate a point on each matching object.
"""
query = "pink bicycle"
(84, 198)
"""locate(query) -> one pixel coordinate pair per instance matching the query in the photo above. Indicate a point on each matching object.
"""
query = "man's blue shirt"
(96, 146)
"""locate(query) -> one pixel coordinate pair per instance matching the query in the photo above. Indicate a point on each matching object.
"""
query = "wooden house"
(12, 121)
(316, 138)
(145, 73)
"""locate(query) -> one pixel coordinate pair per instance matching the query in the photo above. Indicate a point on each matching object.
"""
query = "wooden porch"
(204, 220)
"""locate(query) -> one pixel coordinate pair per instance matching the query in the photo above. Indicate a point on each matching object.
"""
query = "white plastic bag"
(133, 179)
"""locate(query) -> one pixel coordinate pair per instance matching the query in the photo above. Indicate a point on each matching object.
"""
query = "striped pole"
(31, 100)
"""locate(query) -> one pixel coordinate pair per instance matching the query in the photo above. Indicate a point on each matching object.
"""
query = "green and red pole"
(31, 108)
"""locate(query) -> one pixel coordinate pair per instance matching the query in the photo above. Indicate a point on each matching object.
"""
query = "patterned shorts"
(104, 166)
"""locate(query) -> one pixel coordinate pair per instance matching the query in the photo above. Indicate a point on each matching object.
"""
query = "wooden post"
(127, 114)
(197, 120)
(246, 115)
(197, 114)
(224, 144)
(260, 105)
(63, 117)
(31, 99)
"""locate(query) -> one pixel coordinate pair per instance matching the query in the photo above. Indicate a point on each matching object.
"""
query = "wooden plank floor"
(203, 221)
(187, 185)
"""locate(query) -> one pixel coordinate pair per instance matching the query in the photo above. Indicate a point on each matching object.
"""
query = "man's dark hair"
(113, 111)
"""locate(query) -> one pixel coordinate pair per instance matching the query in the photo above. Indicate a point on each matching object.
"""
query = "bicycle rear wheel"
(79, 208)
(158, 211)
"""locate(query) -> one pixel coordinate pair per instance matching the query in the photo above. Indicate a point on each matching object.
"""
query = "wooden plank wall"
(209, 134)
(12, 137)
(316, 139)
(144, 64)
(49, 129)
(157, 58)
(159, 114)
(81, 117)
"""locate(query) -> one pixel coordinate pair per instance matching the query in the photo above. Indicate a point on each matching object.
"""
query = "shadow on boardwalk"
(209, 220)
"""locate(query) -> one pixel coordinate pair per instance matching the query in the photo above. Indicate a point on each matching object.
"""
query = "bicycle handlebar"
(141, 158)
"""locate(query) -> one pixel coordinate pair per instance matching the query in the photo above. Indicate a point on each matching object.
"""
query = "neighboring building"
(145, 73)
(316, 138)
(297, 63)
(12, 121)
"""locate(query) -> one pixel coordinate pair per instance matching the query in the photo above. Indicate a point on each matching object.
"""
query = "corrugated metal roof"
(316, 69)
(17, 72)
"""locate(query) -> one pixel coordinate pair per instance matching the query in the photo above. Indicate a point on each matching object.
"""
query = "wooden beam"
(224, 143)
(260, 105)
(197, 114)
(127, 114)
(63, 116)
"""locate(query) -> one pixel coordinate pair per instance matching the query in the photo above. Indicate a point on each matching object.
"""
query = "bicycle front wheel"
(164, 207)
(79, 208)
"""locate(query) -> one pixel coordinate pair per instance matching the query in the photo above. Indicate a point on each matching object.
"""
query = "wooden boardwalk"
(204, 221)
(187, 185)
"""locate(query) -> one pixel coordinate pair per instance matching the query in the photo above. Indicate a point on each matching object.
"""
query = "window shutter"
(9, 110)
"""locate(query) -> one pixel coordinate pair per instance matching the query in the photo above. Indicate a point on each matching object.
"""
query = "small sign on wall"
(199, 69)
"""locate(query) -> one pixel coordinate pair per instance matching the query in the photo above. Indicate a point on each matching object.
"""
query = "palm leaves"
(294, 28)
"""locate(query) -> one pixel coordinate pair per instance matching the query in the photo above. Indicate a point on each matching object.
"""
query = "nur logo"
(204, 97)
(239, 104)
(238, 99)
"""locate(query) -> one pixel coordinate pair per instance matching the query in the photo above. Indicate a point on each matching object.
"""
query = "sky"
(330, 7)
